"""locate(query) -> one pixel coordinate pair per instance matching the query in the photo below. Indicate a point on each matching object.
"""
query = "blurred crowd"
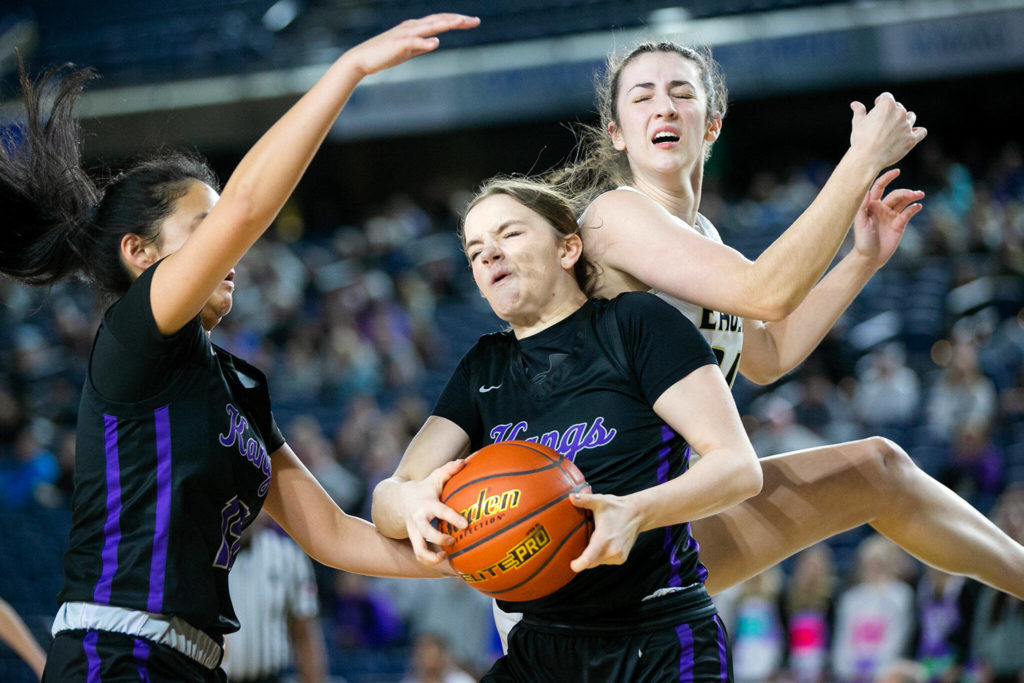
(358, 327)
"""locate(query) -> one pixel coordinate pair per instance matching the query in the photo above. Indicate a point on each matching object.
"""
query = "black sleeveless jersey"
(172, 462)
(591, 401)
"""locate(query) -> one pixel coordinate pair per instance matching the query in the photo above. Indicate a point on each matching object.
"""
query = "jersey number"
(232, 517)
(730, 376)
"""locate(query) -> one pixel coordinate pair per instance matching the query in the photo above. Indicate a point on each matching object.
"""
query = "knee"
(886, 462)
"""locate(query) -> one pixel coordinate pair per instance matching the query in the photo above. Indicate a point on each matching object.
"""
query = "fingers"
(423, 553)
(878, 188)
(585, 500)
(907, 214)
(899, 200)
(445, 472)
(859, 110)
(439, 23)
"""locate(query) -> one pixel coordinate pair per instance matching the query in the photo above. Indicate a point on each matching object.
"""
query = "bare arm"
(298, 503)
(266, 176)
(702, 410)
(773, 349)
(14, 632)
(405, 504)
(640, 240)
(308, 645)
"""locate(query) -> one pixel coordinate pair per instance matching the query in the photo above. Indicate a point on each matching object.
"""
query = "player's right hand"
(886, 133)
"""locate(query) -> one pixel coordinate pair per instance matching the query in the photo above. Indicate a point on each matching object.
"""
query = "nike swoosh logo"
(484, 390)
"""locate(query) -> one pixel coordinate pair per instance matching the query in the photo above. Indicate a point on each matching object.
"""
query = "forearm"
(778, 347)
(14, 632)
(303, 509)
(386, 511)
(787, 271)
(719, 480)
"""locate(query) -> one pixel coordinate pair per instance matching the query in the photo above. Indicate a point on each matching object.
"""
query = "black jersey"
(591, 401)
(172, 462)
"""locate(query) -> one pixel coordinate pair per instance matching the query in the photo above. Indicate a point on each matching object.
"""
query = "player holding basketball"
(176, 441)
(662, 107)
(625, 388)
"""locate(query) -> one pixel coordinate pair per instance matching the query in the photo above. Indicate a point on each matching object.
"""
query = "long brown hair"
(598, 166)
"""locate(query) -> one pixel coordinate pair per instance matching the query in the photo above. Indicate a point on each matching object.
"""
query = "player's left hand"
(880, 222)
(616, 526)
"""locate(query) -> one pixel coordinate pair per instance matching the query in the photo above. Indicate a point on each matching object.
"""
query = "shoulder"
(642, 305)
(618, 200)
(489, 348)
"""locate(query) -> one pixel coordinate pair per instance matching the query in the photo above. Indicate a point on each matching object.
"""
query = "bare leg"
(813, 494)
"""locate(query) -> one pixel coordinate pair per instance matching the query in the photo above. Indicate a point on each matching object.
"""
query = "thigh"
(115, 658)
(807, 496)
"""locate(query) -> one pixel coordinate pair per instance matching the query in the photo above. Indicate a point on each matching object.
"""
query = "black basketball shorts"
(696, 651)
(94, 656)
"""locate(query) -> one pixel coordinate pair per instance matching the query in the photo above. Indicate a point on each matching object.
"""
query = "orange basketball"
(523, 530)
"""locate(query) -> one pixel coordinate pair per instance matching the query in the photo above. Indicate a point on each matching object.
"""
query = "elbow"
(777, 308)
(749, 479)
(760, 377)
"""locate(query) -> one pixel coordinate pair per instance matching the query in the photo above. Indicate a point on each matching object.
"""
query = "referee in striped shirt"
(275, 598)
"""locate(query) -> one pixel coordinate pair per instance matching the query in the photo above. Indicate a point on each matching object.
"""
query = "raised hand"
(881, 221)
(422, 505)
(616, 527)
(407, 40)
(887, 132)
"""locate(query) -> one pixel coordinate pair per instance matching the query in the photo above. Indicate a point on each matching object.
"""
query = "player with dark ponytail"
(177, 449)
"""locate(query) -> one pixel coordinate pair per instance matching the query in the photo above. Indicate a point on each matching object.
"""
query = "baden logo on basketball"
(523, 528)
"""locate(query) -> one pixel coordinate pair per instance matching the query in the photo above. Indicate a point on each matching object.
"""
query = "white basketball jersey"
(724, 332)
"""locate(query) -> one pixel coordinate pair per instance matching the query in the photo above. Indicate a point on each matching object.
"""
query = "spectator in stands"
(808, 610)
(758, 634)
(975, 465)
(432, 662)
(363, 615)
(945, 612)
(888, 392)
(874, 618)
(998, 628)
(961, 395)
(28, 474)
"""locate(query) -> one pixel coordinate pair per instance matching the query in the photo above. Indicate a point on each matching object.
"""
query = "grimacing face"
(520, 263)
(661, 115)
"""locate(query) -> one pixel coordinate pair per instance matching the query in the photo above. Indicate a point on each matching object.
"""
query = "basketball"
(523, 530)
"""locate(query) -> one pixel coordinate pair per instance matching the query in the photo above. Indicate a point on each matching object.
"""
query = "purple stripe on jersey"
(141, 653)
(691, 542)
(92, 657)
(112, 527)
(723, 650)
(685, 636)
(675, 579)
(162, 423)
